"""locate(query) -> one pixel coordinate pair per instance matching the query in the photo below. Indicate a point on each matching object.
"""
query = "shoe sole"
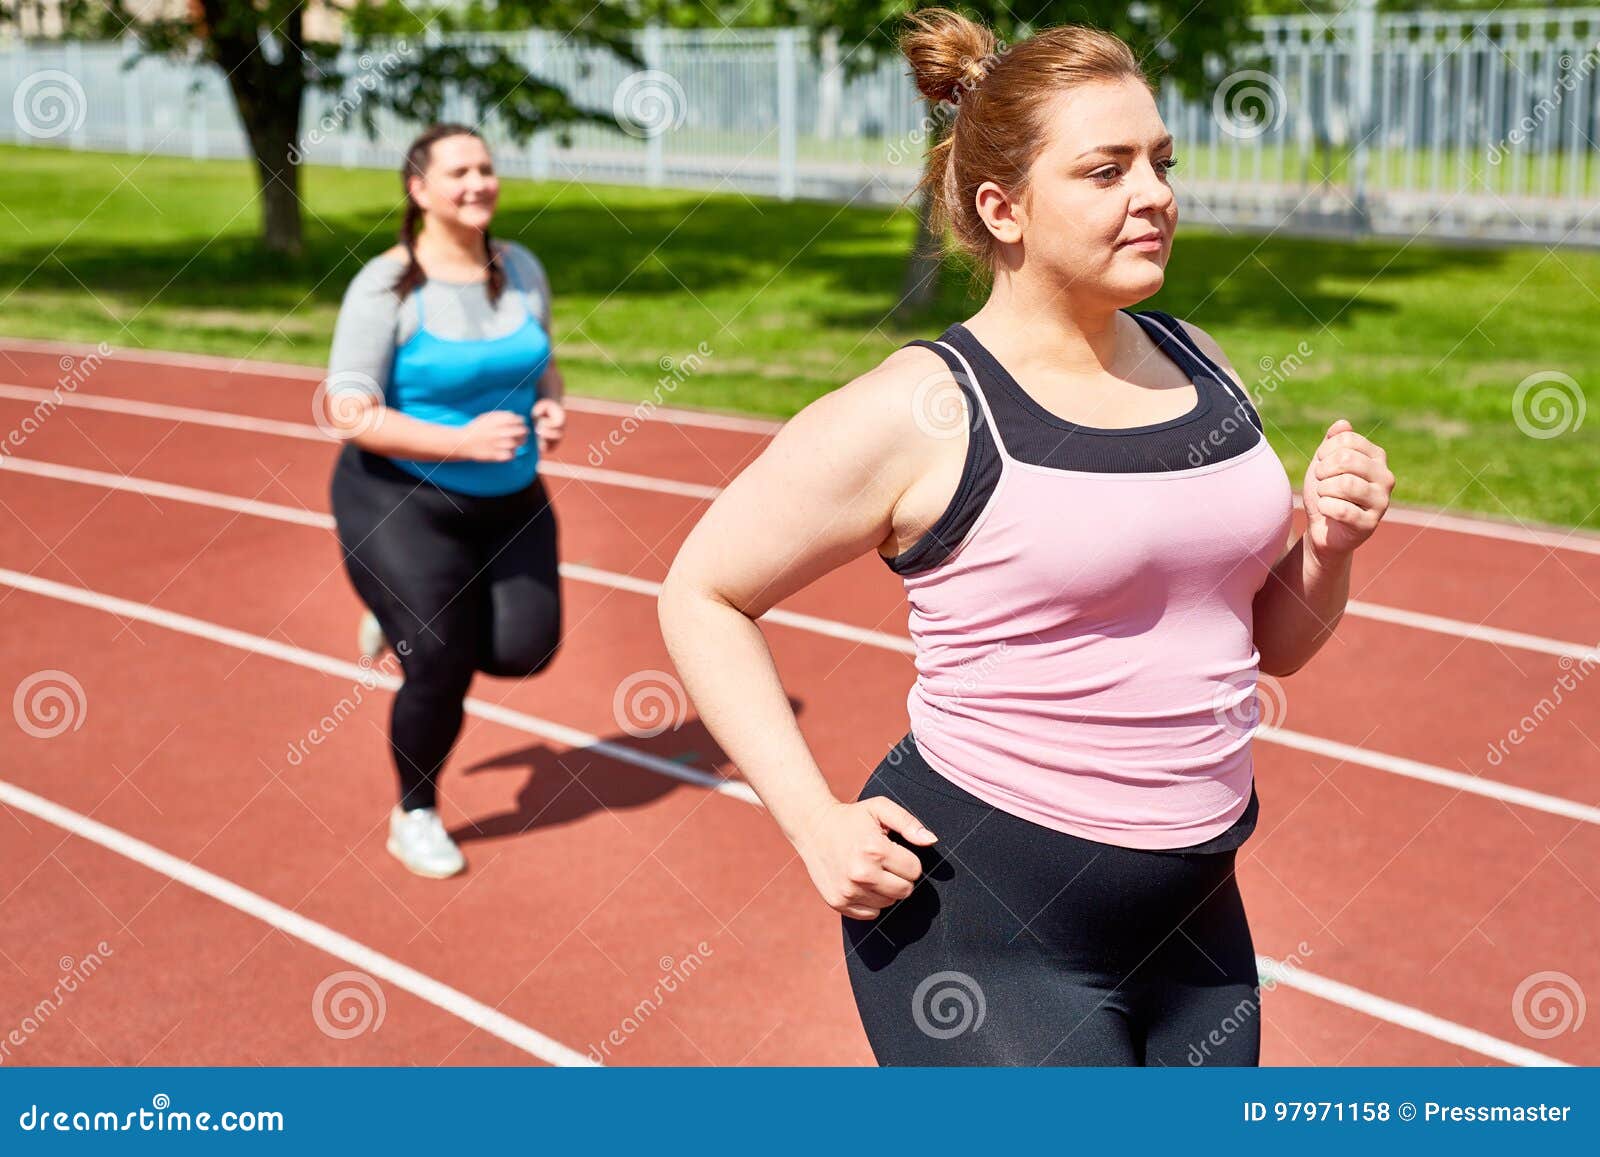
(416, 871)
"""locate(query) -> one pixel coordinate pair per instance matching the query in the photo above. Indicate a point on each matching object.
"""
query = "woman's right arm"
(350, 403)
(823, 492)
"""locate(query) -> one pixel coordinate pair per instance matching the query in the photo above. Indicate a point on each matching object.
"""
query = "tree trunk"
(920, 284)
(278, 172)
(268, 94)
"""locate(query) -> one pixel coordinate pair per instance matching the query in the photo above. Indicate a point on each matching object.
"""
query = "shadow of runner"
(563, 787)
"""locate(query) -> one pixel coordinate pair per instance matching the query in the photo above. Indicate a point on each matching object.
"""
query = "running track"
(165, 546)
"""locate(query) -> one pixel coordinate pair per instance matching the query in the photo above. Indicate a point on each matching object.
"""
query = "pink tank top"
(1084, 653)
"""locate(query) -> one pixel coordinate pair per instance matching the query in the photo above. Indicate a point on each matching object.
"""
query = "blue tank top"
(451, 382)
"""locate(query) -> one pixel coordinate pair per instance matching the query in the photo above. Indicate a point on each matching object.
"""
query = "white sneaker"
(418, 840)
(369, 637)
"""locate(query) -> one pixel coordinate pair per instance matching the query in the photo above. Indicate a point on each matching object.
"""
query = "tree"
(261, 47)
(1174, 39)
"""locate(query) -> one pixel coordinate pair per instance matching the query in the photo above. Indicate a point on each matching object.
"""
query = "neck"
(449, 241)
(1047, 323)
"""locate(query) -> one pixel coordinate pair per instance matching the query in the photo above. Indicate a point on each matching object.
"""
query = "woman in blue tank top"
(443, 384)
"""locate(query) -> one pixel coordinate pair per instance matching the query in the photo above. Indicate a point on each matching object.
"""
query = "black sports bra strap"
(1171, 325)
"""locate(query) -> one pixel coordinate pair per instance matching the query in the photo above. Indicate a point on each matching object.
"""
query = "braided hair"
(416, 163)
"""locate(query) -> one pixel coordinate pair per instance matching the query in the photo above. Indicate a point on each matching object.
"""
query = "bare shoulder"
(396, 252)
(889, 406)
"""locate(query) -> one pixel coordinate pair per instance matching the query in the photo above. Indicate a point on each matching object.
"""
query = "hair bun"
(948, 53)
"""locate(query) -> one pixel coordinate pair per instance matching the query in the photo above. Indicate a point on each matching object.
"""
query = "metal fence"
(1461, 125)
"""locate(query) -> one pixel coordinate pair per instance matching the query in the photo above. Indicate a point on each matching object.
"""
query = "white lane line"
(367, 676)
(1475, 631)
(1428, 773)
(319, 936)
(1332, 991)
(1553, 537)
(1402, 1014)
(310, 374)
(578, 572)
(1437, 624)
(309, 432)
(127, 483)
(1374, 760)
(275, 511)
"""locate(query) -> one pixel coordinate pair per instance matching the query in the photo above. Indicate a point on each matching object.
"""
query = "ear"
(417, 188)
(1002, 215)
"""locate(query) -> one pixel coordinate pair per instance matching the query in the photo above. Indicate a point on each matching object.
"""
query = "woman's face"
(1098, 215)
(459, 186)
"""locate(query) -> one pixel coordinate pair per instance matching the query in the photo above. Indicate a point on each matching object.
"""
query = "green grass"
(1420, 346)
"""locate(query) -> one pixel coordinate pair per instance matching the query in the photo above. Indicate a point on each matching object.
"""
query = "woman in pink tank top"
(1094, 537)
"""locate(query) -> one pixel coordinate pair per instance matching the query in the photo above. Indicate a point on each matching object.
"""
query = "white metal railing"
(1460, 124)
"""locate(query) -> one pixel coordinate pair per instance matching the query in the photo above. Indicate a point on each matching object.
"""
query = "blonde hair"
(1001, 96)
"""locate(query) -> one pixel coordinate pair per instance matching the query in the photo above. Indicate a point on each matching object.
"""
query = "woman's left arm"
(549, 409)
(1346, 492)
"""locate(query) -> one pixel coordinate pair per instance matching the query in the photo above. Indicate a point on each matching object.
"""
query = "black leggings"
(1026, 946)
(459, 584)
